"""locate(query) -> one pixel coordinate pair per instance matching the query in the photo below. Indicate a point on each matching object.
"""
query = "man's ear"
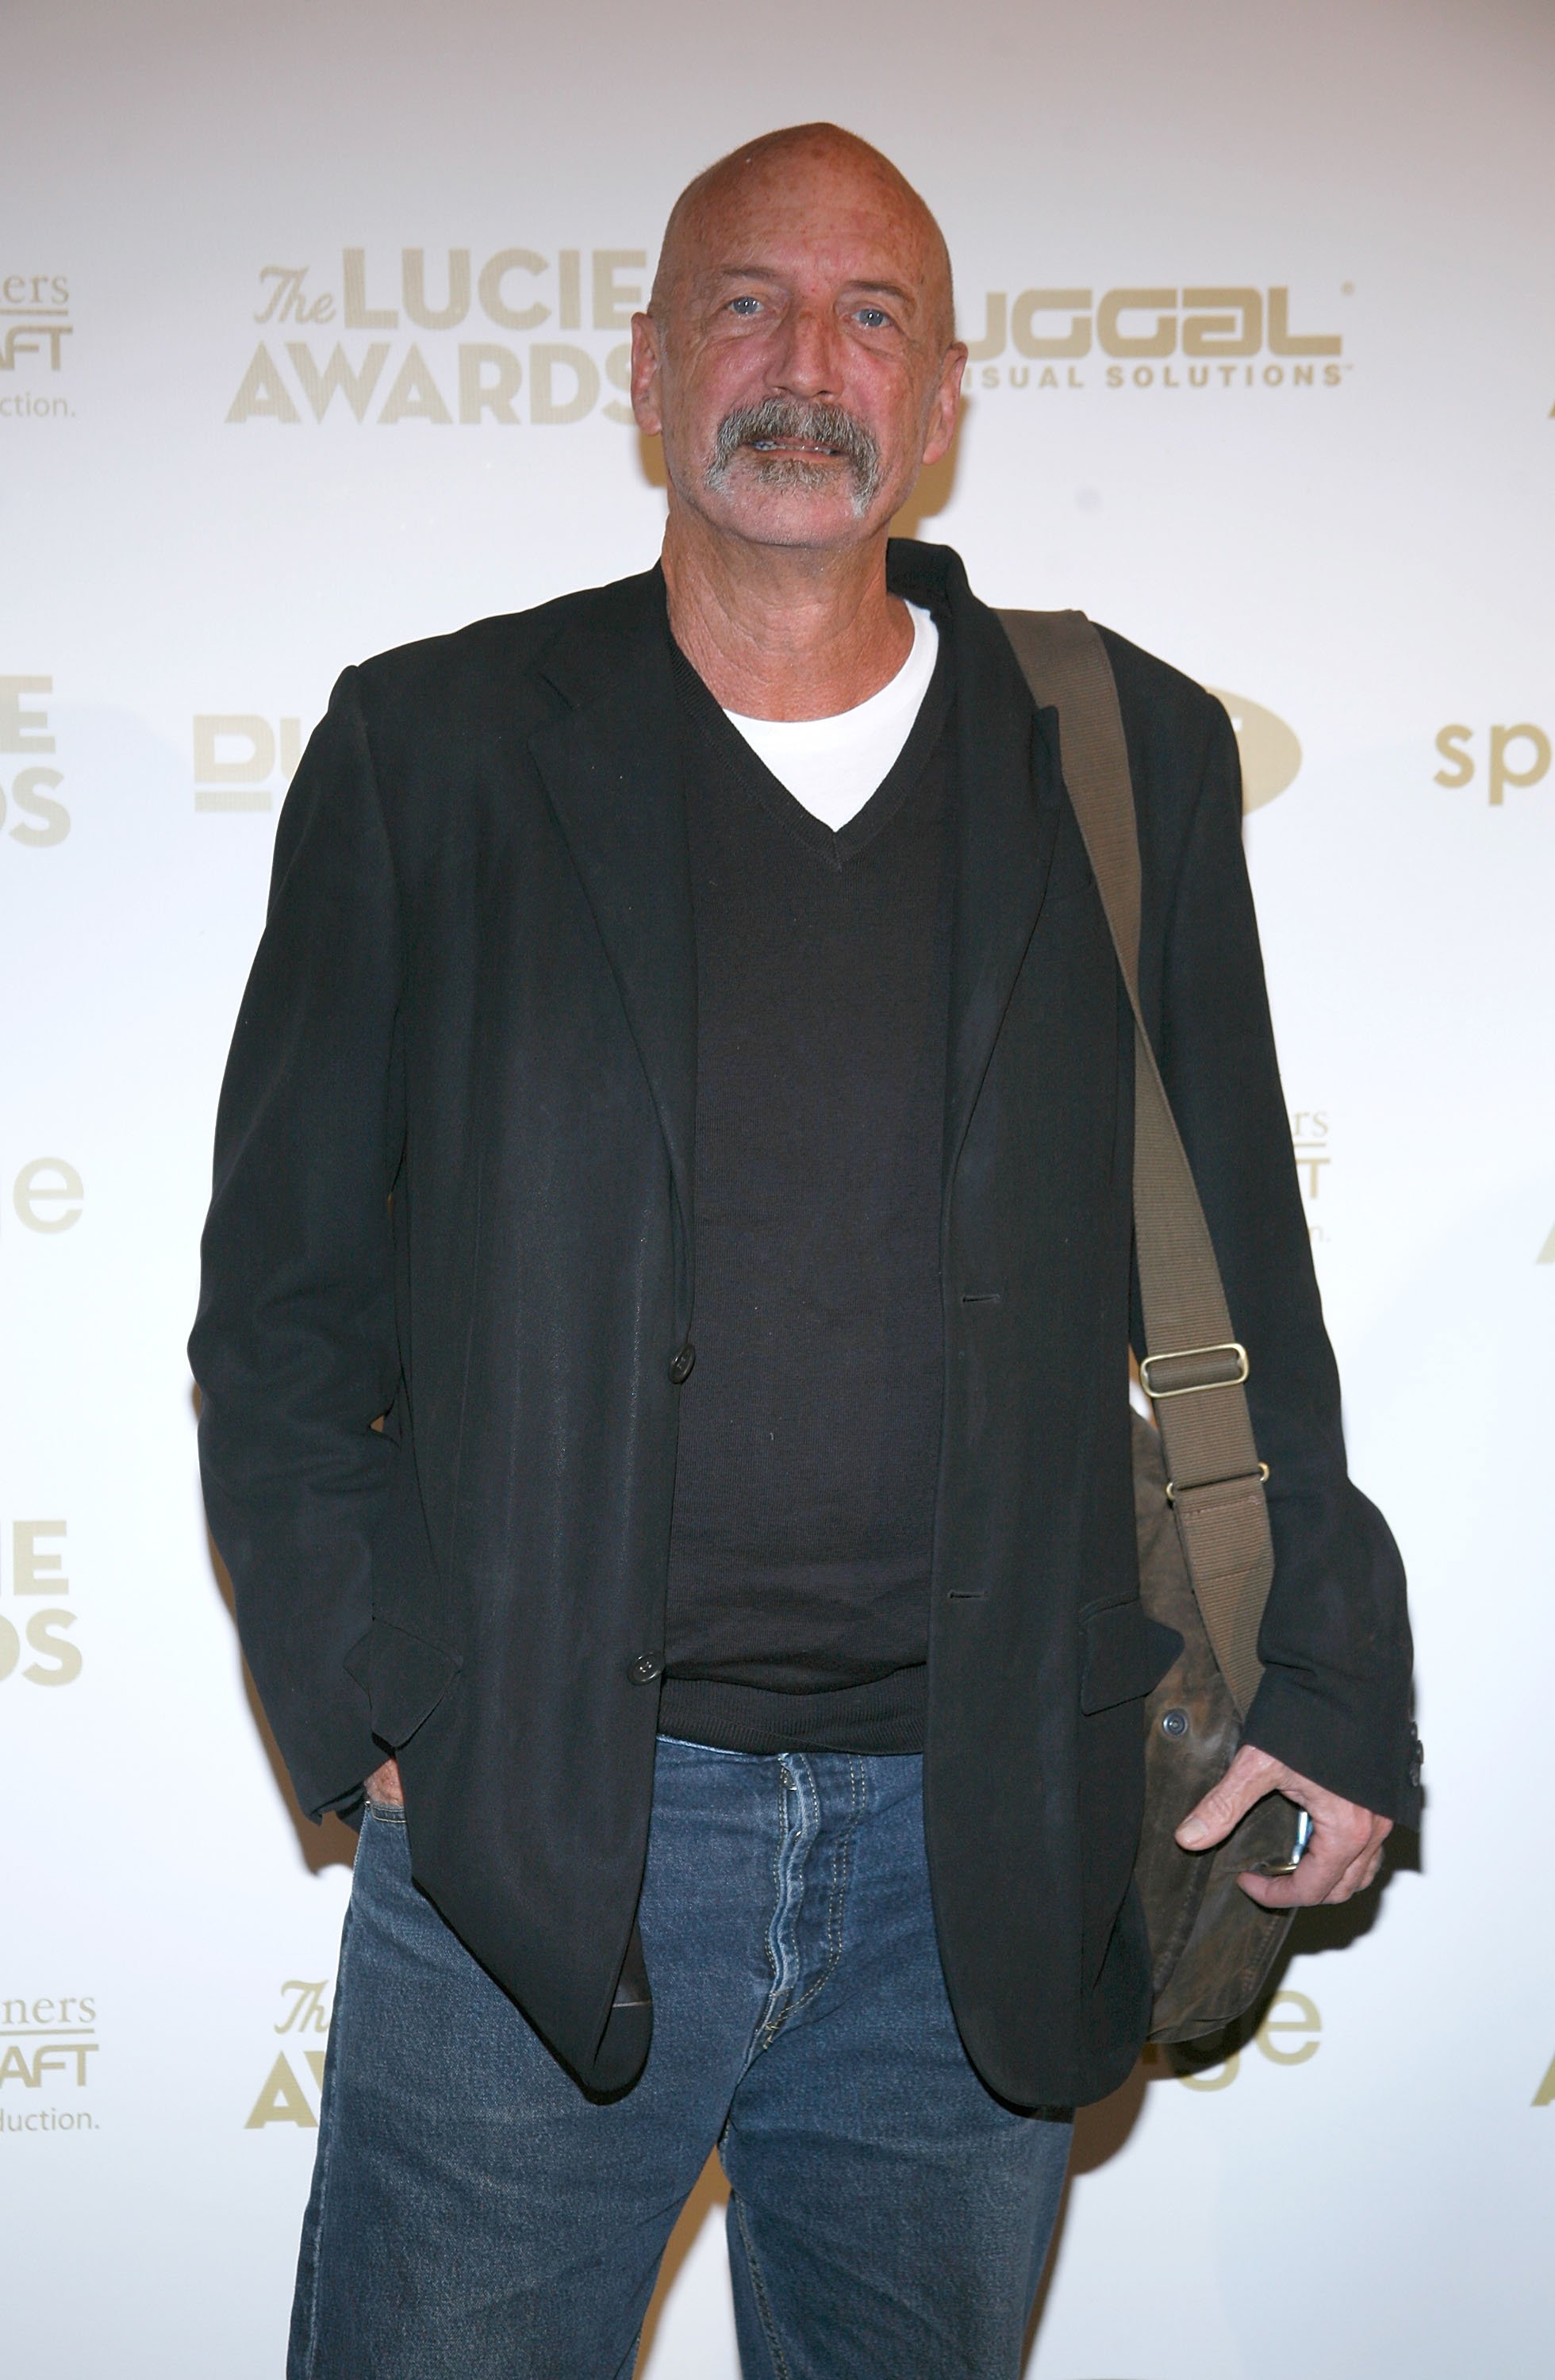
(946, 405)
(645, 374)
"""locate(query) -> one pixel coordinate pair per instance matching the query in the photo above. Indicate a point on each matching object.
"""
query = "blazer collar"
(610, 767)
(1008, 798)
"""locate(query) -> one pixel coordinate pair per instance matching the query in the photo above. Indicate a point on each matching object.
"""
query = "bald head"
(779, 165)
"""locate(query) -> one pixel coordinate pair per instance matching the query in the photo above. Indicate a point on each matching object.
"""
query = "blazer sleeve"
(1334, 1701)
(294, 1346)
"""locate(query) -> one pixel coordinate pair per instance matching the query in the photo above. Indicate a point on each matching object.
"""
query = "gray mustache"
(819, 425)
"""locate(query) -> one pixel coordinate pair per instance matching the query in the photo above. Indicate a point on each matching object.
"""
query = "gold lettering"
(415, 395)
(613, 306)
(1238, 333)
(619, 371)
(1161, 341)
(215, 728)
(544, 405)
(1074, 341)
(262, 391)
(21, 731)
(1501, 774)
(493, 272)
(281, 2101)
(307, 2012)
(32, 1191)
(64, 1658)
(569, 289)
(55, 818)
(359, 315)
(413, 288)
(1306, 2022)
(33, 1572)
(477, 394)
(1214, 2077)
(1449, 742)
(1282, 342)
(996, 307)
(356, 387)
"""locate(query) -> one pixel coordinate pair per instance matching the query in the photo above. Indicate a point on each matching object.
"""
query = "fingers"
(1251, 1774)
(1313, 1880)
(1361, 1875)
(1331, 1872)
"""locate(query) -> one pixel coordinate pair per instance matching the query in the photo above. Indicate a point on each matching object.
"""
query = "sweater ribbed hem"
(884, 1714)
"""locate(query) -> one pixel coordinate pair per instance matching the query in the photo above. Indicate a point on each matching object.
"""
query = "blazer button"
(681, 1363)
(645, 1669)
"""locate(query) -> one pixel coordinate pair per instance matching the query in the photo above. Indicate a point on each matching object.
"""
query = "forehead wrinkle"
(855, 283)
(761, 170)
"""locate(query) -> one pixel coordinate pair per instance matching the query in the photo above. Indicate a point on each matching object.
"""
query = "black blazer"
(454, 1187)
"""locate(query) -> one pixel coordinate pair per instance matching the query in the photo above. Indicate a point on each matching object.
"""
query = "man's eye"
(744, 306)
(873, 318)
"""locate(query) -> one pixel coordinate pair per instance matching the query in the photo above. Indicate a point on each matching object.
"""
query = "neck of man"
(782, 631)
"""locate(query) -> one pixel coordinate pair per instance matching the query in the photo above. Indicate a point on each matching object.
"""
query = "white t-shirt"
(833, 766)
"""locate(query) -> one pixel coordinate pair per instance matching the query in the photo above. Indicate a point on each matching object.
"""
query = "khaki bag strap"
(1193, 1372)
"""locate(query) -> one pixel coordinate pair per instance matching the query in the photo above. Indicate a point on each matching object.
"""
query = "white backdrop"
(1332, 500)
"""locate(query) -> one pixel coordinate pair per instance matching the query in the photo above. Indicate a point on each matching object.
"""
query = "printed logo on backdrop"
(47, 1195)
(1501, 760)
(1157, 338)
(242, 758)
(456, 338)
(1289, 2035)
(38, 1570)
(34, 326)
(284, 2096)
(1267, 749)
(1313, 1155)
(48, 2045)
(31, 814)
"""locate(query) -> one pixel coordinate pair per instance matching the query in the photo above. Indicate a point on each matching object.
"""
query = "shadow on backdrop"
(1102, 2131)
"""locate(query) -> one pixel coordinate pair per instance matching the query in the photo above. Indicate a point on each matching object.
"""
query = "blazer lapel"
(1009, 795)
(611, 768)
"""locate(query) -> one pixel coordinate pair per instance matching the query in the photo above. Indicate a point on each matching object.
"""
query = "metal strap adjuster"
(1189, 1369)
(1260, 1474)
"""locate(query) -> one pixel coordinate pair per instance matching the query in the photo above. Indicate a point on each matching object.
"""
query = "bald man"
(662, 1347)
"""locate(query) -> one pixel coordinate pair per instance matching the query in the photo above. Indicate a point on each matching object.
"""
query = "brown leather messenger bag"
(1206, 1558)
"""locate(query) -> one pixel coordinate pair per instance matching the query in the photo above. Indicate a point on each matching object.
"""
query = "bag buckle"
(1190, 1369)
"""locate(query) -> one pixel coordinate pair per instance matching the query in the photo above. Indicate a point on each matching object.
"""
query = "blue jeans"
(475, 2218)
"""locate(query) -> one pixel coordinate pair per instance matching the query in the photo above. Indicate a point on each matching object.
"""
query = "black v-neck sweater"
(809, 1425)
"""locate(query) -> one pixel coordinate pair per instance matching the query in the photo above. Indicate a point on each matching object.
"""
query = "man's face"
(800, 373)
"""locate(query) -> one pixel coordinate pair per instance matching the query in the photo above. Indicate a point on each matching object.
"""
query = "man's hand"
(1341, 1858)
(384, 1785)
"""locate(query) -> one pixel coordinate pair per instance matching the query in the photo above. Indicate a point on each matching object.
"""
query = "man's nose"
(809, 362)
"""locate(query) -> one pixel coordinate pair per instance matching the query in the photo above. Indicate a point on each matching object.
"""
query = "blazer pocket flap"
(406, 1678)
(1126, 1655)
